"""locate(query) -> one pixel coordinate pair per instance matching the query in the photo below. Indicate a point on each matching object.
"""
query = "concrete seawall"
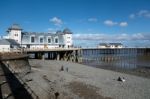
(18, 63)
(14, 66)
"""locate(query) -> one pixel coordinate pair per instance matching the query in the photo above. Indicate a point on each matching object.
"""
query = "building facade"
(35, 40)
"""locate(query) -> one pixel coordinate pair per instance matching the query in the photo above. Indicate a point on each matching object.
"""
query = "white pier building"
(35, 40)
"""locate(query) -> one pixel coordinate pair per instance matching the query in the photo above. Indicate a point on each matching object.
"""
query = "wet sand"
(141, 71)
(75, 81)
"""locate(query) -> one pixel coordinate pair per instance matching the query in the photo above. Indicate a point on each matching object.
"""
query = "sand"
(77, 81)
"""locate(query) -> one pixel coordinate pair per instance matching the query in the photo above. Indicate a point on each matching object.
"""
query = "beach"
(67, 80)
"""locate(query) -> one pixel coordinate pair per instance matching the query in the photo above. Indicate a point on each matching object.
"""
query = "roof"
(8, 42)
(4, 42)
(108, 44)
(15, 27)
(38, 33)
(115, 43)
(103, 44)
(67, 31)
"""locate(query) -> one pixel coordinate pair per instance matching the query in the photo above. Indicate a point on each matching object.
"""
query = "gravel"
(77, 81)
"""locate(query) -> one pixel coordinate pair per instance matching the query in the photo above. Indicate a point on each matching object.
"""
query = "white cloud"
(92, 19)
(56, 21)
(141, 13)
(112, 37)
(132, 16)
(138, 36)
(130, 40)
(123, 24)
(110, 23)
(122, 37)
(51, 30)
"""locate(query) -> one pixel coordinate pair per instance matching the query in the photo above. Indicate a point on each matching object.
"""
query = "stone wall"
(17, 63)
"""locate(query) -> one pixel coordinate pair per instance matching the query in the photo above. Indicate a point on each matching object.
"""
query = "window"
(49, 40)
(41, 40)
(16, 34)
(32, 39)
(56, 40)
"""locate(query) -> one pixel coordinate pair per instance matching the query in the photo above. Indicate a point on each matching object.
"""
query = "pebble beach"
(51, 79)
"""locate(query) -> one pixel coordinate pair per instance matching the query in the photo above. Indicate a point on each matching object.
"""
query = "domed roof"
(67, 31)
(15, 27)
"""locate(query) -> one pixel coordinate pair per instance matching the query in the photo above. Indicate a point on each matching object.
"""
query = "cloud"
(110, 23)
(130, 40)
(56, 21)
(112, 37)
(92, 19)
(141, 13)
(123, 24)
(132, 16)
(138, 36)
(51, 30)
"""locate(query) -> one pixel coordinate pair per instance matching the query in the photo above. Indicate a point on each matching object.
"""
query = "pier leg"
(49, 56)
(36, 56)
(43, 56)
(58, 56)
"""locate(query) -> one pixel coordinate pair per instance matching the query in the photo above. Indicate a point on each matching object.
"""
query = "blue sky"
(91, 21)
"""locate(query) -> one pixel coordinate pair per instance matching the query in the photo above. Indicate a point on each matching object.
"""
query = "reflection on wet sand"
(117, 59)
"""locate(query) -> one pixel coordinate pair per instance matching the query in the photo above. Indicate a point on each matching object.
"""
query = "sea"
(117, 59)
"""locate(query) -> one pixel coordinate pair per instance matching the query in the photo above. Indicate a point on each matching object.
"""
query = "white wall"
(5, 37)
(102, 46)
(68, 40)
(111, 46)
(120, 46)
(4, 48)
(16, 35)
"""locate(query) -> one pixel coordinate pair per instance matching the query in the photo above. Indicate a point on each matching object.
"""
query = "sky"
(91, 21)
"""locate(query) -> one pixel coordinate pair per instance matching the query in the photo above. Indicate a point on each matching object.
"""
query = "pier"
(70, 54)
(83, 54)
(30, 80)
